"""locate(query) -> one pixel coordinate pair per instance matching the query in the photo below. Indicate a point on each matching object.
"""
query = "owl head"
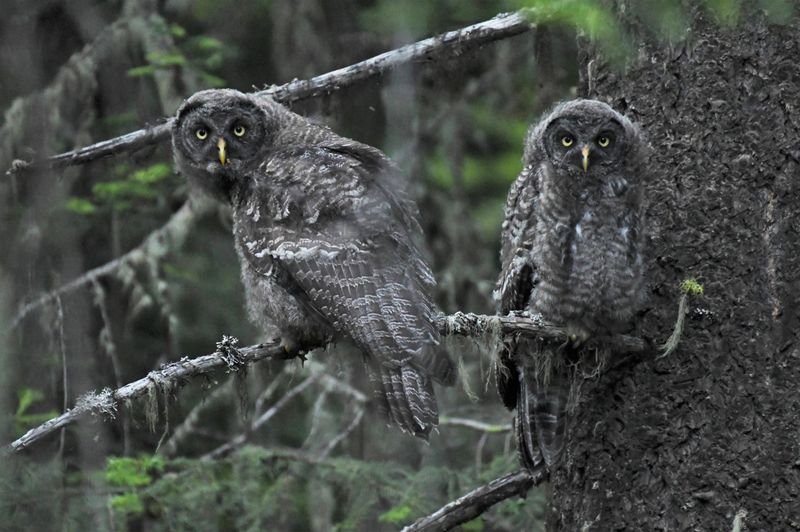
(586, 139)
(218, 134)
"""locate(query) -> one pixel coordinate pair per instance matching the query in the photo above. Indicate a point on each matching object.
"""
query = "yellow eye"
(567, 141)
(202, 134)
(603, 142)
(238, 131)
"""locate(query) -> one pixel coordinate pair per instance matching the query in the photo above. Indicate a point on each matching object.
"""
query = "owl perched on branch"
(572, 245)
(325, 240)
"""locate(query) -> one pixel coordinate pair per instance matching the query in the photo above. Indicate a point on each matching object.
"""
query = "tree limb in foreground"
(477, 501)
(106, 401)
(464, 324)
(450, 43)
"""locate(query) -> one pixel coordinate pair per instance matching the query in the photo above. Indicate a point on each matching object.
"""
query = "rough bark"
(689, 441)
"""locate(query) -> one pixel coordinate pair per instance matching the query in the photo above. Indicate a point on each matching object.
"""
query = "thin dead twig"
(474, 503)
(343, 434)
(474, 424)
(242, 438)
(189, 424)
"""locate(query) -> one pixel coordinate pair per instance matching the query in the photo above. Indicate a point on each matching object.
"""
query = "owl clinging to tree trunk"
(325, 239)
(572, 244)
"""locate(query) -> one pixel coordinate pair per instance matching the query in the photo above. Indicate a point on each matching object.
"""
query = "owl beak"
(585, 153)
(221, 147)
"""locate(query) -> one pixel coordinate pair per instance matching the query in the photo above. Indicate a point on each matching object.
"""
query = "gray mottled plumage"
(571, 251)
(325, 241)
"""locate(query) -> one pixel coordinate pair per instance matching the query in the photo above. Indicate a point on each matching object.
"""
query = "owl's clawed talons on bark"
(292, 349)
(576, 338)
(572, 341)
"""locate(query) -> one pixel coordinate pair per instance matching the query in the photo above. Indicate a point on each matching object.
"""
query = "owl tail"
(541, 414)
(406, 398)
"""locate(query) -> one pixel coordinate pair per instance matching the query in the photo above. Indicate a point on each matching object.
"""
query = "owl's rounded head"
(587, 138)
(217, 134)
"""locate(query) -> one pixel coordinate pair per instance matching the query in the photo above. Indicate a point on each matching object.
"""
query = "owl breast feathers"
(572, 244)
(326, 242)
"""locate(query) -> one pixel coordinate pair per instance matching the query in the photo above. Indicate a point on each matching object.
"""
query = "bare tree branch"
(450, 43)
(75, 85)
(242, 438)
(343, 434)
(454, 42)
(107, 401)
(474, 424)
(474, 325)
(477, 325)
(266, 393)
(189, 423)
(477, 501)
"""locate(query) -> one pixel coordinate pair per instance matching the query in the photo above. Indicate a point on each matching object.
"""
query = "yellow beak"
(585, 153)
(221, 147)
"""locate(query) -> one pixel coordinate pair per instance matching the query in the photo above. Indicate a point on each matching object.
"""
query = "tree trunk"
(689, 441)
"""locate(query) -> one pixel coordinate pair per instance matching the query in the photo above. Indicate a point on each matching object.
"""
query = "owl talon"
(290, 348)
(576, 341)
(576, 338)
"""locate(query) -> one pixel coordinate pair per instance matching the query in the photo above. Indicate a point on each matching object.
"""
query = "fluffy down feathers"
(571, 251)
(326, 243)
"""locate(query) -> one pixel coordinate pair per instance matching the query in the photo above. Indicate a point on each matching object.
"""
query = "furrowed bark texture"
(688, 441)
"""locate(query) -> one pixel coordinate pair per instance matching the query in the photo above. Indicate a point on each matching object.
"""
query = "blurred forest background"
(282, 446)
(74, 73)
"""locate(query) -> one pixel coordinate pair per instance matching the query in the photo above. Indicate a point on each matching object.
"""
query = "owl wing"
(345, 240)
(540, 408)
(518, 272)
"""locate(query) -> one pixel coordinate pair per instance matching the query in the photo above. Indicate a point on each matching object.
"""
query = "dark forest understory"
(112, 277)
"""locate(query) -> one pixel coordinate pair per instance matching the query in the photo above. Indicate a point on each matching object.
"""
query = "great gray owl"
(325, 241)
(571, 251)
